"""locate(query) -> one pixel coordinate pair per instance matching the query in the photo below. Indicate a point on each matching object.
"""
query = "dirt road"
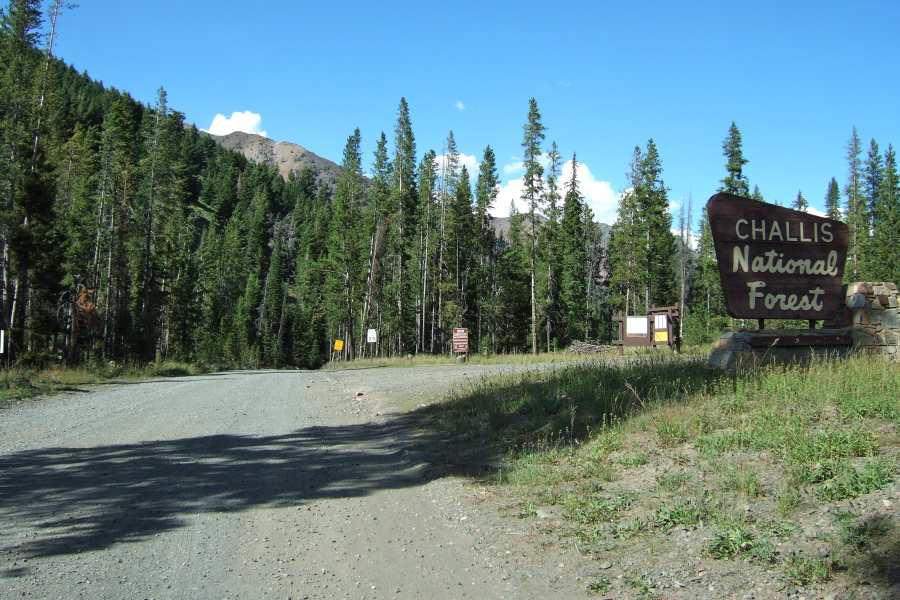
(271, 484)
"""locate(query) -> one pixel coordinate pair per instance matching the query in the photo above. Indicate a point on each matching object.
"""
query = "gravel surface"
(256, 484)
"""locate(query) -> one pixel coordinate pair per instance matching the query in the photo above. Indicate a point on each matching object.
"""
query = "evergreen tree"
(533, 196)
(735, 182)
(405, 203)
(800, 202)
(706, 317)
(660, 243)
(343, 285)
(885, 252)
(487, 187)
(757, 195)
(573, 272)
(873, 174)
(857, 218)
(627, 245)
(833, 200)
(427, 250)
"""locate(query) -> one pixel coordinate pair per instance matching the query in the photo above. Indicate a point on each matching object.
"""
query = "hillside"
(286, 156)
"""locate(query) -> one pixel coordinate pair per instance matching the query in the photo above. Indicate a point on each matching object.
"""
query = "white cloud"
(470, 162)
(460, 105)
(517, 166)
(815, 211)
(246, 121)
(598, 195)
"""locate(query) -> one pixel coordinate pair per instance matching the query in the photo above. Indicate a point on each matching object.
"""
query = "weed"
(640, 583)
(633, 459)
(800, 570)
(589, 513)
(672, 482)
(788, 498)
(830, 444)
(529, 509)
(671, 433)
(850, 483)
(859, 535)
(743, 480)
(599, 586)
(687, 512)
(736, 541)
(783, 529)
(623, 530)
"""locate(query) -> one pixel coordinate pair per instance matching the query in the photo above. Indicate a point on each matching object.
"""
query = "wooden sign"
(460, 339)
(774, 262)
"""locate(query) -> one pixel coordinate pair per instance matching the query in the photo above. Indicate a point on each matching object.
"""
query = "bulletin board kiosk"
(659, 327)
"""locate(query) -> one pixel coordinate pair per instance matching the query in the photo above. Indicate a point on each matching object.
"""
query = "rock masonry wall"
(872, 312)
(869, 314)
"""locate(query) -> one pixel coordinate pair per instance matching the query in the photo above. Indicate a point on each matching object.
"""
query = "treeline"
(128, 236)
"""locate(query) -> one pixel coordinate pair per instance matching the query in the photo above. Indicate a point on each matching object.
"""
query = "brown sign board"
(460, 339)
(774, 262)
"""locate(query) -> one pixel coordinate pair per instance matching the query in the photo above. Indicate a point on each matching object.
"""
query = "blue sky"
(795, 76)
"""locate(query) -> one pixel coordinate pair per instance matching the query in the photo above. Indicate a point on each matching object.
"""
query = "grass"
(20, 384)
(556, 356)
(639, 449)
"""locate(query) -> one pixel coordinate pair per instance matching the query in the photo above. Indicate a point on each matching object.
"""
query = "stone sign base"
(868, 321)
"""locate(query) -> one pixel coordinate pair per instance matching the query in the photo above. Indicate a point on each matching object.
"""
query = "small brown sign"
(774, 262)
(461, 339)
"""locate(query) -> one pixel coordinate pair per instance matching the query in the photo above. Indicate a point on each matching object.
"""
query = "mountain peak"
(284, 155)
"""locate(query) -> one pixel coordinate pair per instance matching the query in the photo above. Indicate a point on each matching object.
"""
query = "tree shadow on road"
(59, 501)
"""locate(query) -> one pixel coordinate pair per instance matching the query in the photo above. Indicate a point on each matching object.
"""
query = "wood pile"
(587, 348)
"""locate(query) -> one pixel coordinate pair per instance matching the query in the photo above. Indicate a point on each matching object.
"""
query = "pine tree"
(573, 272)
(707, 316)
(757, 195)
(660, 243)
(533, 196)
(427, 248)
(873, 174)
(833, 200)
(406, 199)
(380, 214)
(627, 245)
(885, 254)
(485, 279)
(800, 202)
(735, 182)
(857, 218)
(25, 192)
(343, 286)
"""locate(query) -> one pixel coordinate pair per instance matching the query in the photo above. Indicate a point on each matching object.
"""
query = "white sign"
(636, 326)
(661, 322)
(372, 336)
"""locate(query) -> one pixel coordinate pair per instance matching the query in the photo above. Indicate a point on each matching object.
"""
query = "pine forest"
(129, 236)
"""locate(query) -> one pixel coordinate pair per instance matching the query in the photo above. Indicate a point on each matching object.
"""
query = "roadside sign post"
(461, 342)
(372, 338)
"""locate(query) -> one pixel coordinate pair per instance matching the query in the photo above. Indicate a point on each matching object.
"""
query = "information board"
(460, 339)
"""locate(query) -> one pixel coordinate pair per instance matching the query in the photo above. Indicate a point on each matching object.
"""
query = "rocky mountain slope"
(284, 155)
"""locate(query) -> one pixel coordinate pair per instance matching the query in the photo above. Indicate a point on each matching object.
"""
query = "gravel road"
(254, 484)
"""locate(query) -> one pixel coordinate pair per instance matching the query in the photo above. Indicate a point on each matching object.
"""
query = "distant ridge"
(284, 155)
